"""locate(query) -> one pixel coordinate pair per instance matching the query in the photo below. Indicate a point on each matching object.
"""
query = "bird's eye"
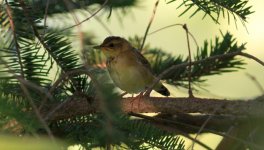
(111, 45)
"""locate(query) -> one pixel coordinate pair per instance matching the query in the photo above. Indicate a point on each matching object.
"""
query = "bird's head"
(113, 46)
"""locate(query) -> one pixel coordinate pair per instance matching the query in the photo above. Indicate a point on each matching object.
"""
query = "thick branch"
(252, 108)
(192, 123)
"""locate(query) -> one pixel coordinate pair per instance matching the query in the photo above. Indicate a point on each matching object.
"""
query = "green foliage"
(160, 61)
(56, 7)
(61, 52)
(12, 111)
(149, 137)
(120, 132)
(214, 8)
(218, 66)
(20, 51)
(4, 25)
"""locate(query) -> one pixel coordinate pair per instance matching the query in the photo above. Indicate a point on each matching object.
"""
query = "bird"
(127, 67)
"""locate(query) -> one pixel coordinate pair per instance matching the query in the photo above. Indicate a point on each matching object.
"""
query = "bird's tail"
(162, 90)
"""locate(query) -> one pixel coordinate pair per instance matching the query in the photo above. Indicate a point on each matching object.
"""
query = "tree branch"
(208, 59)
(97, 11)
(149, 24)
(251, 108)
(229, 112)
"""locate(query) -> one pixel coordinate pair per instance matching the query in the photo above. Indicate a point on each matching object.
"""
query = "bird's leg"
(148, 91)
(141, 95)
(137, 98)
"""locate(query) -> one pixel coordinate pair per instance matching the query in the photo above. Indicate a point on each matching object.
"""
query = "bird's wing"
(142, 60)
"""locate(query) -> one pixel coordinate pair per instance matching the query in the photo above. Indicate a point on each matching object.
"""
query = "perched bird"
(128, 68)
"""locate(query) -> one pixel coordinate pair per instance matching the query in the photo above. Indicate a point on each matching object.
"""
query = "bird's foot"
(137, 99)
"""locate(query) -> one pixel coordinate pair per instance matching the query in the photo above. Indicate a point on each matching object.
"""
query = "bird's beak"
(97, 47)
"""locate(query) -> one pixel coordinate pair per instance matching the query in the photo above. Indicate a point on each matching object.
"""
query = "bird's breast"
(128, 75)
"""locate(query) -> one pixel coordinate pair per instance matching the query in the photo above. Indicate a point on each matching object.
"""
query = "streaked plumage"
(128, 68)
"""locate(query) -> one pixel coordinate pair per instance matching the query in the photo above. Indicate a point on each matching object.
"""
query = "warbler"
(128, 68)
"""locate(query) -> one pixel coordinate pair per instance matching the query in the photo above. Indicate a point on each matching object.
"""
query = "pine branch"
(5, 27)
(14, 118)
(162, 61)
(218, 66)
(214, 8)
(77, 24)
(17, 47)
(145, 133)
(56, 7)
(35, 69)
(59, 51)
(22, 49)
(135, 134)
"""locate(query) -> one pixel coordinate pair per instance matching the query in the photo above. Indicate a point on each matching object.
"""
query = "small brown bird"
(128, 68)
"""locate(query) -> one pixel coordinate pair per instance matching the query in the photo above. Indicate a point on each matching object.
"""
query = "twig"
(157, 121)
(62, 78)
(36, 87)
(195, 41)
(101, 22)
(38, 36)
(190, 61)
(195, 140)
(76, 20)
(22, 81)
(222, 56)
(9, 14)
(242, 130)
(104, 4)
(172, 126)
(230, 137)
(192, 123)
(155, 31)
(149, 24)
(177, 24)
(66, 75)
(36, 33)
(46, 16)
(42, 121)
(256, 82)
(252, 57)
(51, 112)
(202, 127)
(26, 92)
